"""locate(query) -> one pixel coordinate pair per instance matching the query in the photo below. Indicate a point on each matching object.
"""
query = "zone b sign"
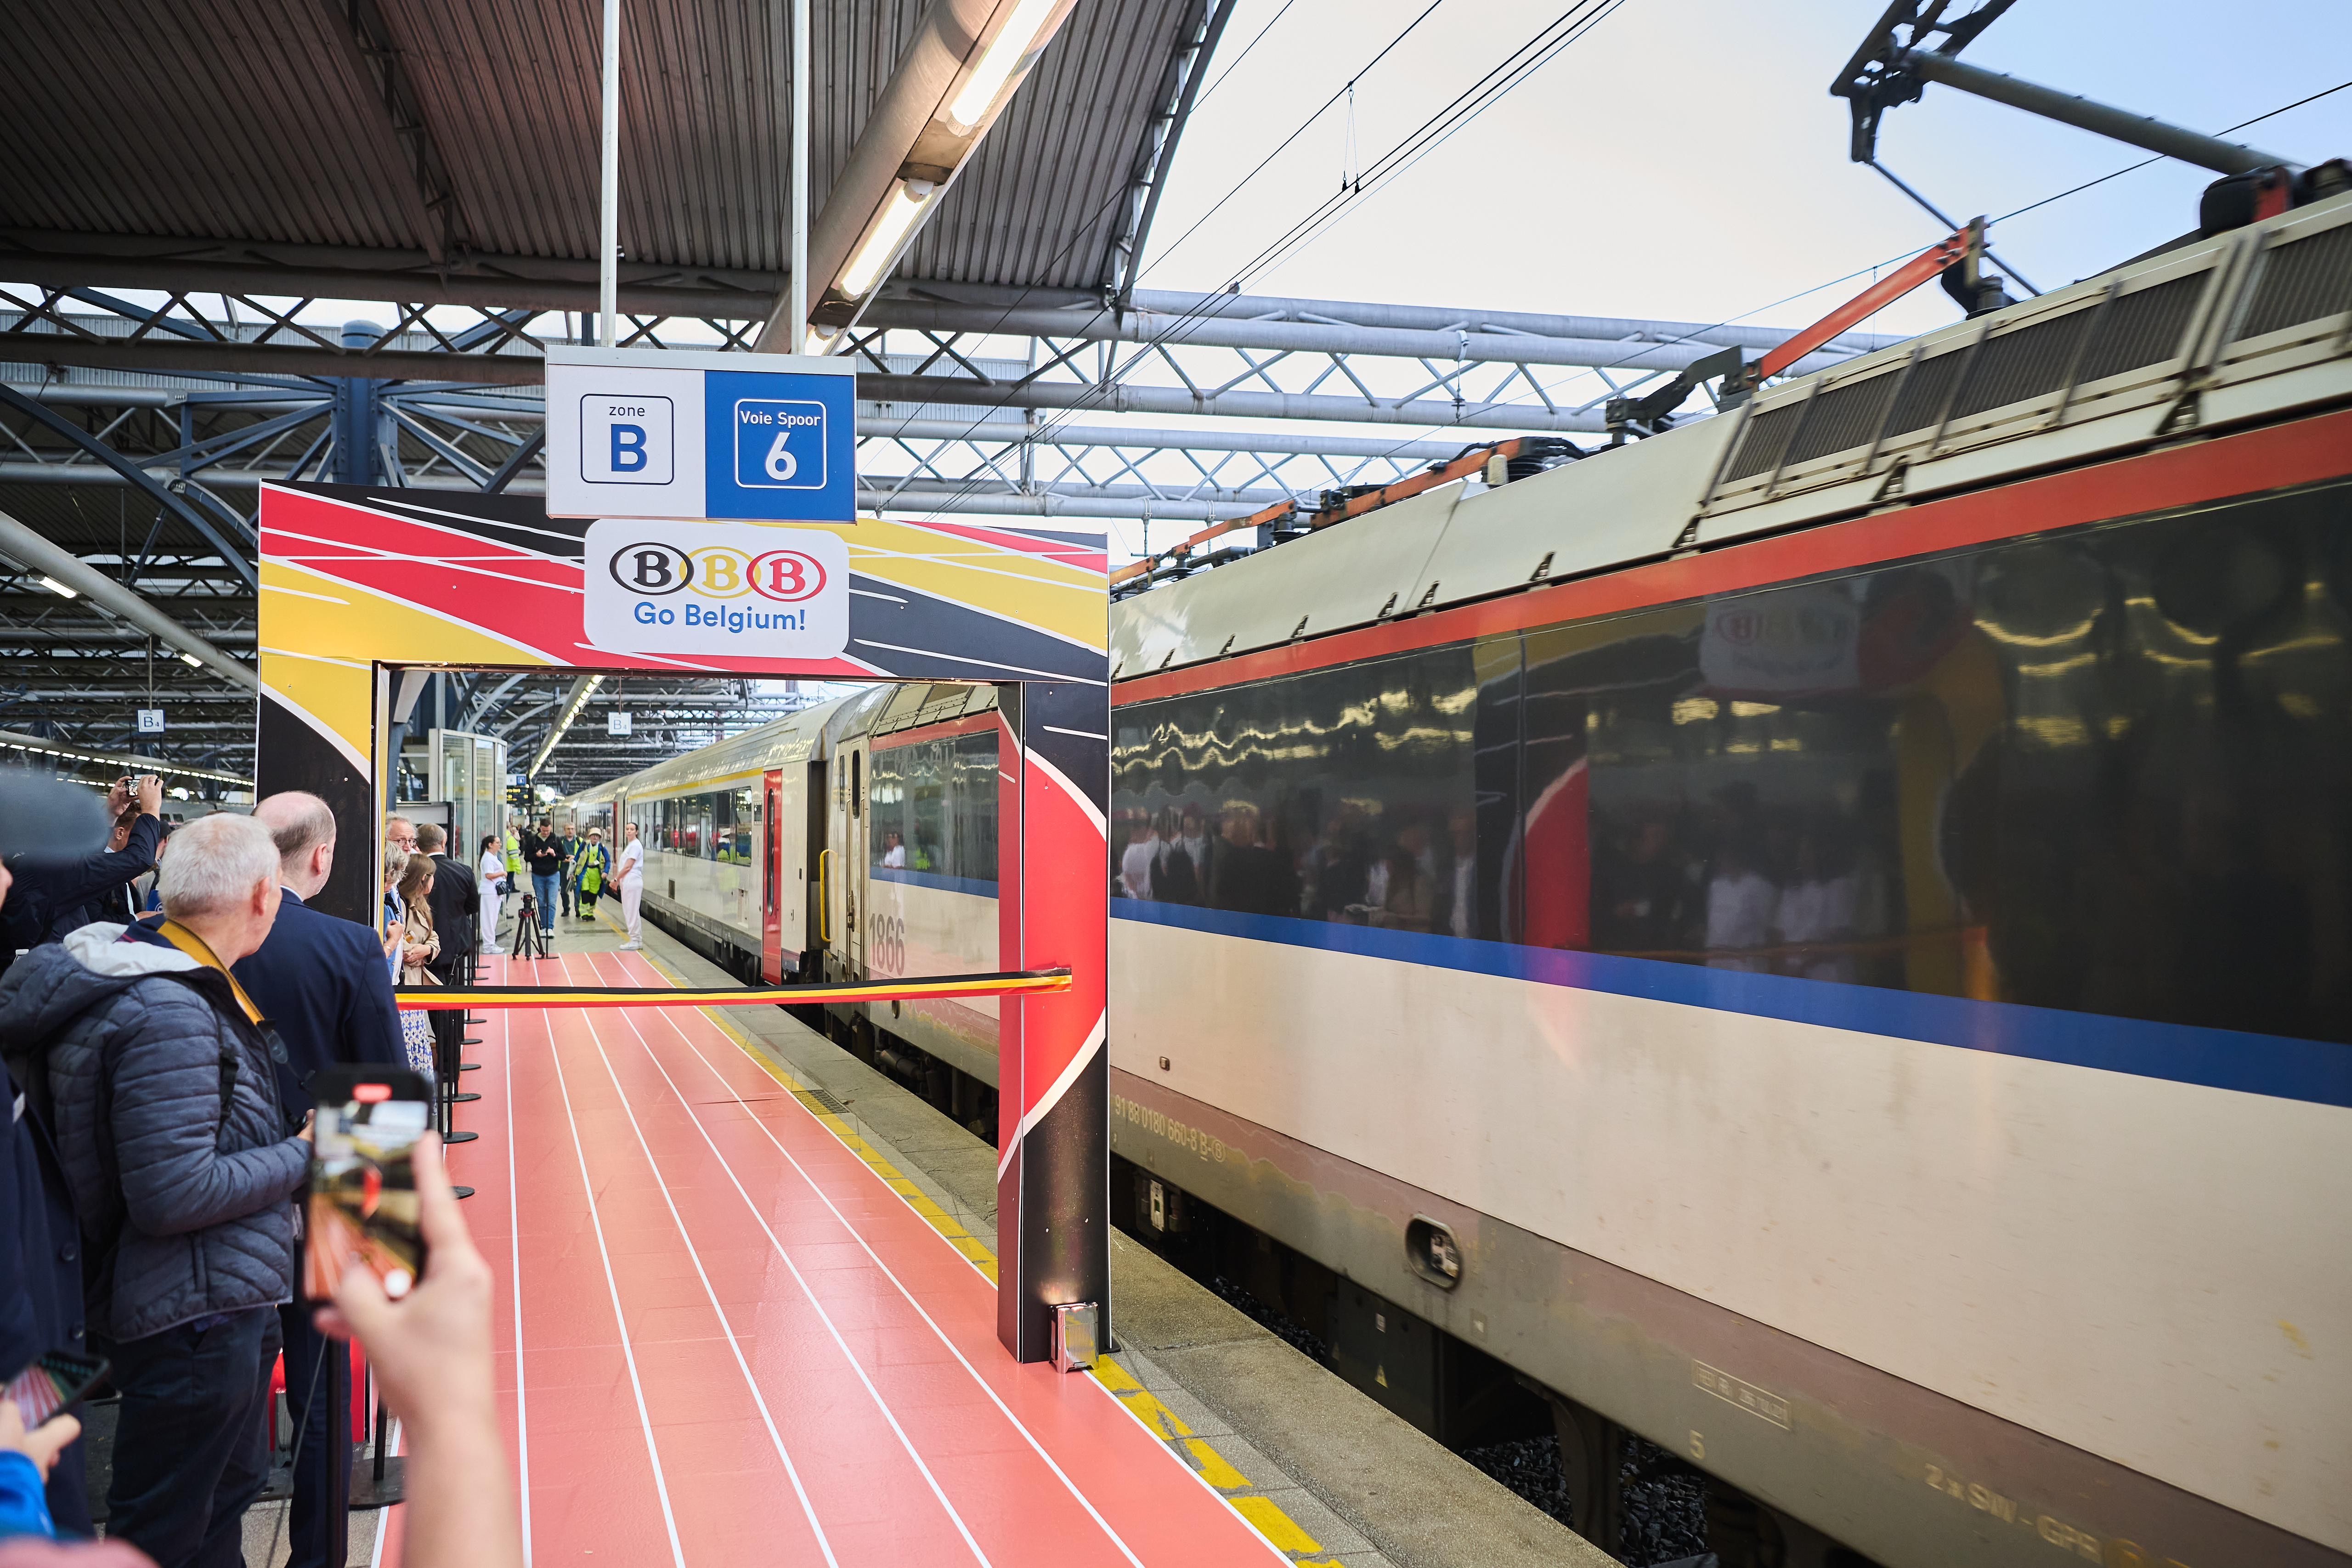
(627, 440)
(690, 433)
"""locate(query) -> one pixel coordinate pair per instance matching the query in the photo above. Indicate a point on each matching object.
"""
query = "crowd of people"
(1730, 883)
(160, 1016)
(1417, 873)
(562, 872)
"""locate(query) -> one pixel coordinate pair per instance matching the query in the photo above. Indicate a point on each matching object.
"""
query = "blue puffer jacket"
(167, 1121)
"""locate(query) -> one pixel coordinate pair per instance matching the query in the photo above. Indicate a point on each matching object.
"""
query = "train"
(1820, 940)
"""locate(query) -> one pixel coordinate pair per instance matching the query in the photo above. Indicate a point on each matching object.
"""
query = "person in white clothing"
(1741, 903)
(632, 875)
(494, 872)
(1135, 865)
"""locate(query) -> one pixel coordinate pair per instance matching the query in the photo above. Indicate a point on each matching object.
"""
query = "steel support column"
(1052, 1186)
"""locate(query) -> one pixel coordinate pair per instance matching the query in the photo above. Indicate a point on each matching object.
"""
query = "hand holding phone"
(361, 1204)
(42, 1443)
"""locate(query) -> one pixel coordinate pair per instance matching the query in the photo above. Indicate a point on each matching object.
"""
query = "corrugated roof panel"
(248, 120)
(191, 118)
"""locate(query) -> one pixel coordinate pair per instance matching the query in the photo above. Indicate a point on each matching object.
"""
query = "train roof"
(2246, 326)
(813, 733)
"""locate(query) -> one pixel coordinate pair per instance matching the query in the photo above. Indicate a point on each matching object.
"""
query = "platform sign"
(664, 432)
(151, 721)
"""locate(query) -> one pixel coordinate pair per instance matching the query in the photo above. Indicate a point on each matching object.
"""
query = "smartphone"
(57, 1381)
(361, 1203)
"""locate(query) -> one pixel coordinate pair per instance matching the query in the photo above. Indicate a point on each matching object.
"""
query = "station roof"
(460, 137)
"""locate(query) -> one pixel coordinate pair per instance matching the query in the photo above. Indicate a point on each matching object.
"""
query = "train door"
(846, 845)
(815, 866)
(771, 877)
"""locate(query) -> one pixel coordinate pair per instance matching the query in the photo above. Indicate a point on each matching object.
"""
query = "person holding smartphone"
(430, 1346)
(51, 894)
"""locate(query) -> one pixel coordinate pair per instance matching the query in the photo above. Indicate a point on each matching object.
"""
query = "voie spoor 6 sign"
(742, 589)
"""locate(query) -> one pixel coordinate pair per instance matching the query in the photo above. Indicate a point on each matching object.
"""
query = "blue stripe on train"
(979, 887)
(2287, 1069)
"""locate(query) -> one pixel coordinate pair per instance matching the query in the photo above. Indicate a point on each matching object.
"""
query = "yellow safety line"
(1262, 1514)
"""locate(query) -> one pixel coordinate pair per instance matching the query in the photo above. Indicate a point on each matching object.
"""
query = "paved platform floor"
(724, 1336)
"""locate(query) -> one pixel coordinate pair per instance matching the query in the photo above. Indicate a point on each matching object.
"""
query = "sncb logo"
(718, 571)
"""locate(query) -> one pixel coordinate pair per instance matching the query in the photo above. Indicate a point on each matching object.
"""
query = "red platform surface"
(724, 1340)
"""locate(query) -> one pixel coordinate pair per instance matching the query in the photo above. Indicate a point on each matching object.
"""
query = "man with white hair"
(152, 1064)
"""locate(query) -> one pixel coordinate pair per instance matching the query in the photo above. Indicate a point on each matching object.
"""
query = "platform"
(724, 1337)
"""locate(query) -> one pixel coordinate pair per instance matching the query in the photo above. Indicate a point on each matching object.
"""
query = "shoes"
(633, 946)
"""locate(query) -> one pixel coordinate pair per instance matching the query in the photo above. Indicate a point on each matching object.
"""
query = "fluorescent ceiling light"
(192, 659)
(987, 79)
(54, 586)
(899, 210)
(818, 342)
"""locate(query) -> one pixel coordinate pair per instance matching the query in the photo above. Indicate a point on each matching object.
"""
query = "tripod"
(530, 941)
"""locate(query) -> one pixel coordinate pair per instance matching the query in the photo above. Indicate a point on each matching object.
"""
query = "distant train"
(1822, 939)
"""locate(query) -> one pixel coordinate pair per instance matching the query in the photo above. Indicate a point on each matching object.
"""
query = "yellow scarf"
(194, 946)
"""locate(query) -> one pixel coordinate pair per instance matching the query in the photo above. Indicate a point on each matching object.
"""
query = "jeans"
(544, 889)
(192, 1450)
(320, 1529)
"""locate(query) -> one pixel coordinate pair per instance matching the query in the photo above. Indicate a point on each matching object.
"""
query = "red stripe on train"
(2304, 452)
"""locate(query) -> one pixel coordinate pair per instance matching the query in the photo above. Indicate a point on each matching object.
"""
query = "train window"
(933, 806)
(742, 829)
(1347, 795)
(2109, 771)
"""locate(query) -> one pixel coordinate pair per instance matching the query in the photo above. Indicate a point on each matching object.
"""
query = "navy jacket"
(322, 983)
(168, 1128)
(48, 898)
(40, 1257)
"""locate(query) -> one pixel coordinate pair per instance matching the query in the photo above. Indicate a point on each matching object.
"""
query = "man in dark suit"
(326, 985)
(457, 901)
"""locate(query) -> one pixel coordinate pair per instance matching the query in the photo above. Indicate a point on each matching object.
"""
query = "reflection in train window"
(2109, 770)
(932, 806)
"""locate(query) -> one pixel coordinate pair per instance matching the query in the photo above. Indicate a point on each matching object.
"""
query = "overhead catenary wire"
(1466, 106)
(2129, 168)
(1234, 64)
(2031, 206)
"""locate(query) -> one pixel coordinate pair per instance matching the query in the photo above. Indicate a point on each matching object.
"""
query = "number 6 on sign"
(782, 466)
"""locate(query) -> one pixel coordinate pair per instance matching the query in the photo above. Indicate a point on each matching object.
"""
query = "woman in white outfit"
(494, 870)
(631, 873)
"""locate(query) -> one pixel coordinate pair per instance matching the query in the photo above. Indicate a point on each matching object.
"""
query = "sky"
(1685, 160)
